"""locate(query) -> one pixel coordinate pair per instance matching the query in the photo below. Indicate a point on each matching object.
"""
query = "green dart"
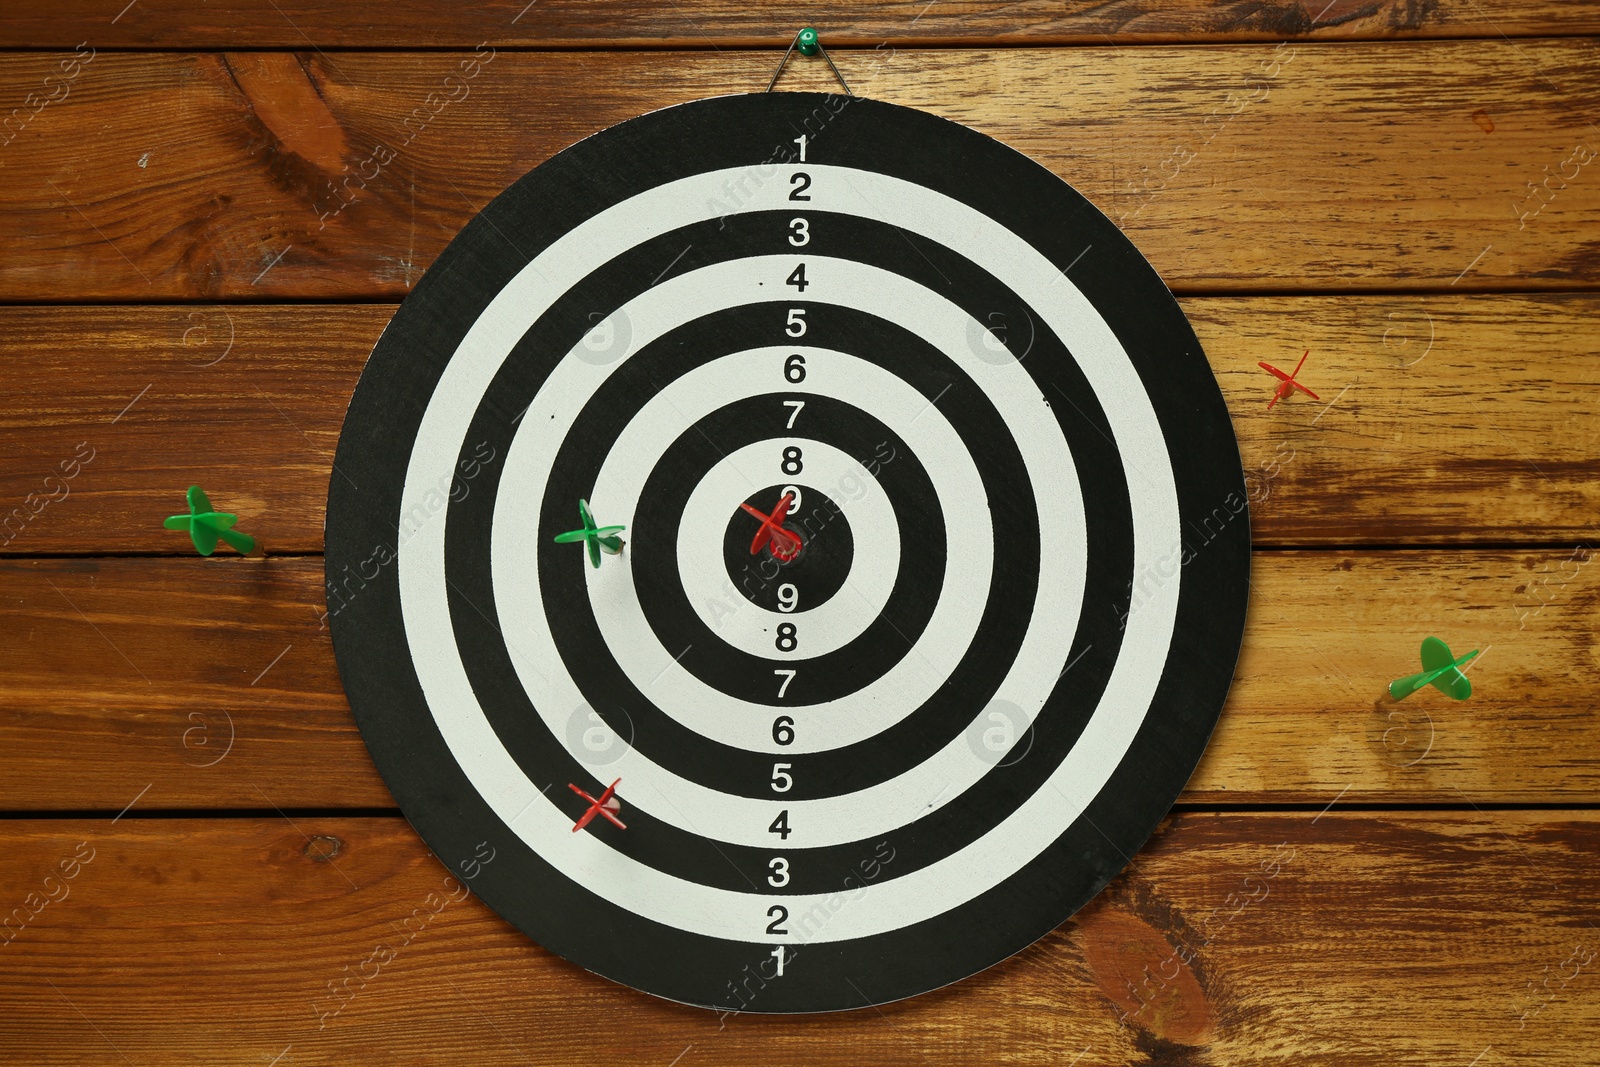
(205, 525)
(1438, 670)
(597, 537)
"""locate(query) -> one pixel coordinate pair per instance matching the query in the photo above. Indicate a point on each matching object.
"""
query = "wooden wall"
(194, 835)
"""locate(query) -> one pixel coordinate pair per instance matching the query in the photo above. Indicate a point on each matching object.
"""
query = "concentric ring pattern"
(893, 760)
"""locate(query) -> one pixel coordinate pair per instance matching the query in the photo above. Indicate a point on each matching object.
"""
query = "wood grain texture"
(1442, 419)
(195, 24)
(1349, 167)
(1350, 939)
(127, 673)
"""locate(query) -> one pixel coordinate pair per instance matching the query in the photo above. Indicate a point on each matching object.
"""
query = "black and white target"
(929, 738)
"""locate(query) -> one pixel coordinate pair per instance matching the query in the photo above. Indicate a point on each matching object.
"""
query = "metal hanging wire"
(809, 44)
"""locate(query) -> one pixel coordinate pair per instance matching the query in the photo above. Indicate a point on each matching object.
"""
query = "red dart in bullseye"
(783, 544)
(606, 805)
(1288, 384)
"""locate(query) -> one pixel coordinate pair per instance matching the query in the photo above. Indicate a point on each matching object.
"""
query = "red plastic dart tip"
(606, 805)
(783, 544)
(1289, 384)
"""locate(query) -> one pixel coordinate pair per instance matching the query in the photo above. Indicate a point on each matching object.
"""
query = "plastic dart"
(1288, 385)
(605, 805)
(206, 525)
(598, 538)
(783, 544)
(1438, 670)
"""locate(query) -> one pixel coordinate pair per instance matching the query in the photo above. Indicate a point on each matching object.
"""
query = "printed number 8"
(791, 460)
(788, 639)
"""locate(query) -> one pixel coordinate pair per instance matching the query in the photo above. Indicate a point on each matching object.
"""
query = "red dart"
(604, 806)
(1289, 384)
(783, 544)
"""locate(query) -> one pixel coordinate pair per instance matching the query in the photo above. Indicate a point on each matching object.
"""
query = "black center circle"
(814, 575)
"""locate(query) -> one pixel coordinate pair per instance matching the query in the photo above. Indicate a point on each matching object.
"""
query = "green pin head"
(806, 41)
(598, 538)
(1438, 670)
(206, 525)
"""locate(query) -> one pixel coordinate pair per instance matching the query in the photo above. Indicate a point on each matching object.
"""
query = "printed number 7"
(789, 677)
(797, 405)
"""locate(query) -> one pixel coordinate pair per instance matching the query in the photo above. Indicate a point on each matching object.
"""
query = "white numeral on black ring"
(780, 774)
(780, 872)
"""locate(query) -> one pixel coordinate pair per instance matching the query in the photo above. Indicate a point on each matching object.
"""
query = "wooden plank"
(196, 24)
(1452, 419)
(1414, 165)
(124, 674)
(1349, 938)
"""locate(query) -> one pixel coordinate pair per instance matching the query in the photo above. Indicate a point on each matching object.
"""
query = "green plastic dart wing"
(1452, 683)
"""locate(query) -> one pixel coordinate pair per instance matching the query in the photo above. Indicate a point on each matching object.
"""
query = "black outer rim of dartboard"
(578, 922)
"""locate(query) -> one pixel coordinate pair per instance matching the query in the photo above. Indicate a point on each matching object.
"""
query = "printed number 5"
(780, 773)
(797, 323)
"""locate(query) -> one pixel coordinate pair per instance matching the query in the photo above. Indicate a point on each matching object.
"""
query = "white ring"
(747, 626)
(965, 873)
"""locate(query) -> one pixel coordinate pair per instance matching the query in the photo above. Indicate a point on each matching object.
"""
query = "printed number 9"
(788, 597)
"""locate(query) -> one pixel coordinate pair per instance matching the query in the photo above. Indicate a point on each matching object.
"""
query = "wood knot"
(323, 848)
(1143, 973)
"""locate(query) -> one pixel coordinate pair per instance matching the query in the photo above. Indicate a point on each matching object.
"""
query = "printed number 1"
(801, 141)
(777, 954)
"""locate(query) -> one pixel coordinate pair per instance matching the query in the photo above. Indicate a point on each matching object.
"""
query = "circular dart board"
(932, 570)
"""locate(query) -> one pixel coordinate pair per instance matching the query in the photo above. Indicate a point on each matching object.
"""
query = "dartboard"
(930, 577)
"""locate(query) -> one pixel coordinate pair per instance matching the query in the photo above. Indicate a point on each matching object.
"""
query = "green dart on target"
(598, 538)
